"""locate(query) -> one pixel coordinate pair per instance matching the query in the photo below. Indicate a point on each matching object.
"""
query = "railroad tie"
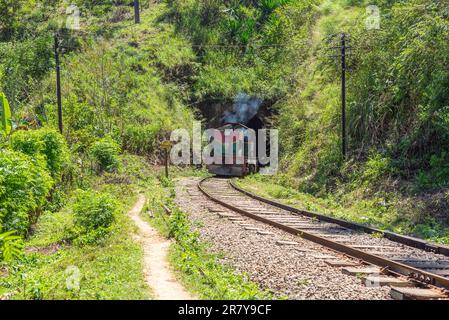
(410, 293)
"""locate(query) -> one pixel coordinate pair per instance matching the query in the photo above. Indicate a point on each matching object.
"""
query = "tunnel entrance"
(240, 111)
(255, 123)
(213, 113)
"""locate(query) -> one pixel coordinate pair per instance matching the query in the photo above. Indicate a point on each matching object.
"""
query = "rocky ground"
(297, 271)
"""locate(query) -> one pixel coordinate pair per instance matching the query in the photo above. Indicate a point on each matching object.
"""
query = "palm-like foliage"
(10, 246)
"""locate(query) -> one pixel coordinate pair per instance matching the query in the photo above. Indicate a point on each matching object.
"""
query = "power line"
(136, 11)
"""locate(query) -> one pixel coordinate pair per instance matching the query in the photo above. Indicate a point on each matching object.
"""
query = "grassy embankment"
(396, 173)
(371, 211)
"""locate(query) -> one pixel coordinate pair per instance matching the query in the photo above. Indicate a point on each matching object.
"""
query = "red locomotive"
(238, 151)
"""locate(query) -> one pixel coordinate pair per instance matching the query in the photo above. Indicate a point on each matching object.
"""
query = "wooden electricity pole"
(58, 81)
(343, 96)
(136, 11)
(341, 43)
(166, 146)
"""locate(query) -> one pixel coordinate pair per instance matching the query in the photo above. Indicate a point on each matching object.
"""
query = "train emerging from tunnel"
(238, 150)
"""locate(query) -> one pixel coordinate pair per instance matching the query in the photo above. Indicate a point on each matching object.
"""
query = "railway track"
(413, 268)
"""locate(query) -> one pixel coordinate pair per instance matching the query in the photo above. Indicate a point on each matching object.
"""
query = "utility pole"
(341, 43)
(343, 95)
(58, 81)
(136, 11)
(166, 146)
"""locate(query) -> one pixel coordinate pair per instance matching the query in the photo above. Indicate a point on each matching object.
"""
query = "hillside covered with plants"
(126, 86)
(114, 76)
(67, 193)
(396, 172)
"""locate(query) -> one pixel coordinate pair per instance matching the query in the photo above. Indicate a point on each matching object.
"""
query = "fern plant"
(10, 246)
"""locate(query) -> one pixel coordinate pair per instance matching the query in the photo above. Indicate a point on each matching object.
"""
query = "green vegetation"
(5, 112)
(397, 93)
(10, 246)
(125, 87)
(110, 83)
(93, 215)
(26, 184)
(45, 143)
(244, 46)
(384, 211)
(396, 103)
(103, 258)
(199, 269)
(105, 154)
(29, 170)
(64, 198)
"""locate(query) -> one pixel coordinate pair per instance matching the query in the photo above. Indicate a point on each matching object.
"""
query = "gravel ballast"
(280, 262)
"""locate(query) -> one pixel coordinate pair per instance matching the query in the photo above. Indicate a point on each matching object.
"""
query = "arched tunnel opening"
(245, 110)
(255, 123)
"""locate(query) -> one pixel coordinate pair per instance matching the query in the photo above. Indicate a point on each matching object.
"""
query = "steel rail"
(388, 266)
(409, 241)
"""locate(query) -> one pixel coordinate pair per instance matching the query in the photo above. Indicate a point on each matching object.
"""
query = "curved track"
(396, 255)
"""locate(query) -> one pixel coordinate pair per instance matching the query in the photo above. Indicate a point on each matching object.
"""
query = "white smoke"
(245, 108)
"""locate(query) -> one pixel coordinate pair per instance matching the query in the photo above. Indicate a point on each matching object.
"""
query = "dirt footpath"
(157, 271)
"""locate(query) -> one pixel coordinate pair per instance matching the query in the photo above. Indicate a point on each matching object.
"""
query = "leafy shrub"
(25, 185)
(5, 115)
(92, 237)
(47, 143)
(105, 154)
(93, 210)
(438, 175)
(375, 168)
(439, 165)
(10, 246)
(94, 214)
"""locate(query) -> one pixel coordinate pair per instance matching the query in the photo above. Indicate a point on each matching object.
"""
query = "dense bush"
(94, 214)
(25, 185)
(249, 44)
(46, 143)
(93, 210)
(396, 92)
(105, 153)
(141, 139)
(399, 90)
